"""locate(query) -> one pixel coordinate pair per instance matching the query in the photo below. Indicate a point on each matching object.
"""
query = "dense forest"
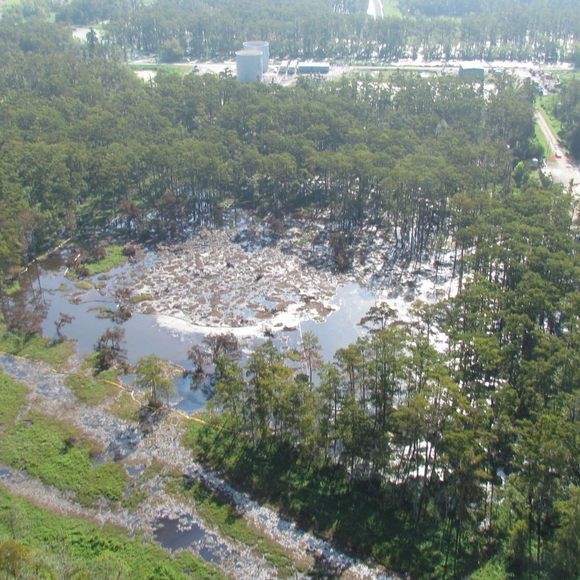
(568, 112)
(87, 145)
(340, 30)
(436, 463)
(318, 30)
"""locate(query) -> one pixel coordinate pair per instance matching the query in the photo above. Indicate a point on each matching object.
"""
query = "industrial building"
(263, 47)
(313, 68)
(472, 73)
(249, 65)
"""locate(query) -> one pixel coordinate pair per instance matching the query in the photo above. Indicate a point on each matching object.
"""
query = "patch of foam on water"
(289, 319)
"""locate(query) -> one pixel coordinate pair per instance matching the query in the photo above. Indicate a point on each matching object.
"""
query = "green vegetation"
(566, 76)
(141, 298)
(59, 455)
(169, 68)
(219, 512)
(547, 104)
(312, 130)
(437, 465)
(36, 347)
(355, 515)
(7, 4)
(397, 452)
(154, 376)
(541, 139)
(13, 288)
(135, 499)
(337, 29)
(125, 408)
(565, 108)
(83, 285)
(93, 390)
(53, 546)
(391, 9)
(12, 397)
(113, 258)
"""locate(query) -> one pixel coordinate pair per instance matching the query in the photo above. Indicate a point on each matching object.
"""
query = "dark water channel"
(143, 335)
(176, 534)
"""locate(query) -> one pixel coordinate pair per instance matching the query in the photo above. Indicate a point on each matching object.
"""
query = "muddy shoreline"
(137, 449)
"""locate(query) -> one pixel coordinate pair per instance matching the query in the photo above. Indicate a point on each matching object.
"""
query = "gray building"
(249, 67)
(472, 73)
(313, 68)
(263, 47)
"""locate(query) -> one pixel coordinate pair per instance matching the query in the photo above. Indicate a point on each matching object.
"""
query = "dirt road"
(563, 169)
(375, 9)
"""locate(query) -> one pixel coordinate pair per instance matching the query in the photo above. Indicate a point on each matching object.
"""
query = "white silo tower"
(249, 65)
(264, 47)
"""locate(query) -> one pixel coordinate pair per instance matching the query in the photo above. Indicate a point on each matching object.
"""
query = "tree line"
(567, 109)
(514, 30)
(87, 146)
(435, 462)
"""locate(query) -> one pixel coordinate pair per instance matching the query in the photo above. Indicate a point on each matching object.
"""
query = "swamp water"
(144, 335)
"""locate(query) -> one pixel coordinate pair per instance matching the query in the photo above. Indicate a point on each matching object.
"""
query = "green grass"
(144, 297)
(113, 259)
(182, 69)
(135, 499)
(541, 139)
(59, 455)
(70, 547)
(36, 347)
(83, 285)
(565, 76)
(547, 104)
(125, 408)
(12, 397)
(222, 514)
(93, 390)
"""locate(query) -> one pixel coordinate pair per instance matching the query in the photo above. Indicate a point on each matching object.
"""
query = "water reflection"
(176, 534)
(341, 327)
(143, 336)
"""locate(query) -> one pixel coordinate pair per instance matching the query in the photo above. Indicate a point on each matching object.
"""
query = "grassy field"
(125, 408)
(12, 397)
(36, 543)
(114, 257)
(181, 69)
(56, 354)
(59, 455)
(564, 76)
(93, 390)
